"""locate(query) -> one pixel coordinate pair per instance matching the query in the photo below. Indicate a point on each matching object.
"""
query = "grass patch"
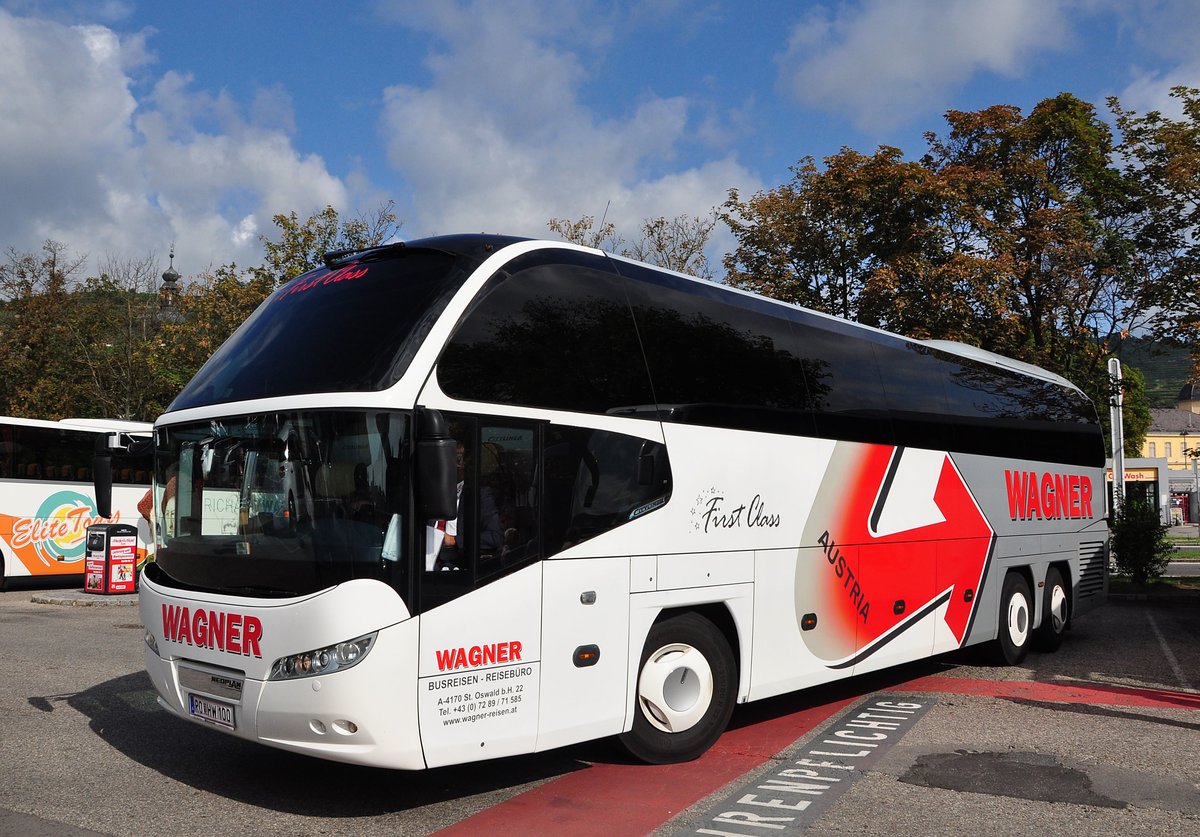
(1164, 586)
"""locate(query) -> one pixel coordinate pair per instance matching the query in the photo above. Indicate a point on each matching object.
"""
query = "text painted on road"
(788, 799)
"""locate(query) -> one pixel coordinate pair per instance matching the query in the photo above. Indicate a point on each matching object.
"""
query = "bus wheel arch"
(685, 690)
(1056, 610)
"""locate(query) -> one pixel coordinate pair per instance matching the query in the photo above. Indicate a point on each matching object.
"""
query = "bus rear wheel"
(685, 691)
(1056, 611)
(1016, 620)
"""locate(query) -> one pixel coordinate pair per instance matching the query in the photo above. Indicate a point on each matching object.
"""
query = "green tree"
(1135, 411)
(1162, 160)
(1013, 233)
(39, 368)
(584, 233)
(302, 244)
(1139, 541)
(213, 305)
(114, 331)
(674, 243)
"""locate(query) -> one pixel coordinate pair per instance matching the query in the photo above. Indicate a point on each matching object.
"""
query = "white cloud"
(500, 139)
(1151, 90)
(1167, 32)
(92, 167)
(111, 156)
(886, 62)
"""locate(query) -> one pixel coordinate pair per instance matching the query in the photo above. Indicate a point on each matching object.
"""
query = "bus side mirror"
(141, 447)
(437, 467)
(102, 476)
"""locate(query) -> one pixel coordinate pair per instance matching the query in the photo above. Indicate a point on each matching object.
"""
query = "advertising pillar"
(111, 558)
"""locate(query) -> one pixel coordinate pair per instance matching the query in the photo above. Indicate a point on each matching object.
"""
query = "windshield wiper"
(266, 592)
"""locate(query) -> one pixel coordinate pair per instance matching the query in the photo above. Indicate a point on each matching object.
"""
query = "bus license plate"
(213, 711)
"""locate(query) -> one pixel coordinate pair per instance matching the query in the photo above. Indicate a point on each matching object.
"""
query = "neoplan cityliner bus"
(46, 502)
(667, 497)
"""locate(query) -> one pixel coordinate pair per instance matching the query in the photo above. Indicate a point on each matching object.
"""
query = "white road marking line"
(1162, 641)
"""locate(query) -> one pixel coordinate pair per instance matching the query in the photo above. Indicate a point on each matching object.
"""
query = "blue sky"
(128, 126)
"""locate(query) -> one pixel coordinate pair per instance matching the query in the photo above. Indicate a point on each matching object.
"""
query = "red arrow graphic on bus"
(904, 538)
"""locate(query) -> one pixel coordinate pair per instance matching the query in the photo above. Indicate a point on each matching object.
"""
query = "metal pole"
(1195, 491)
(1115, 402)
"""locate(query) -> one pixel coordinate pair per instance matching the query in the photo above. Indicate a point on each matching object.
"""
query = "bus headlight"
(325, 660)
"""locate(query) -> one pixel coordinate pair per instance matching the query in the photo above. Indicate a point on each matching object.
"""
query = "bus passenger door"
(480, 598)
(585, 645)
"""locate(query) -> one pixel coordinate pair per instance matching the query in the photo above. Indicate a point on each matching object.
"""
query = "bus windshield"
(351, 328)
(282, 504)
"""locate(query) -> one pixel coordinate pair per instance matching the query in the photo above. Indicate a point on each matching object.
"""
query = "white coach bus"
(46, 501)
(474, 496)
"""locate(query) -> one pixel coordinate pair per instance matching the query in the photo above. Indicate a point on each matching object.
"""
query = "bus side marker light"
(968, 594)
(808, 621)
(898, 607)
(586, 655)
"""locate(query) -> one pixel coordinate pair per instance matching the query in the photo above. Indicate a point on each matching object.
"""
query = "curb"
(78, 598)
(1180, 596)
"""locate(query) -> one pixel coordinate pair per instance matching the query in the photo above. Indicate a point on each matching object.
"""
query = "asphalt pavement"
(1098, 738)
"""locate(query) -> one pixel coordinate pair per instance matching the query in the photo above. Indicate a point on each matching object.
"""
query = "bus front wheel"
(1016, 620)
(686, 689)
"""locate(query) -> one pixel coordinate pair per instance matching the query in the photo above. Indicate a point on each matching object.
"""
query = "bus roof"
(83, 424)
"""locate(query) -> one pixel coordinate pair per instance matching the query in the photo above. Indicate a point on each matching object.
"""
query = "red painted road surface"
(597, 800)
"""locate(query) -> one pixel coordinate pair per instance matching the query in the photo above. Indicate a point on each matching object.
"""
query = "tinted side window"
(47, 453)
(848, 398)
(718, 358)
(912, 377)
(594, 481)
(1003, 413)
(496, 526)
(555, 334)
(506, 502)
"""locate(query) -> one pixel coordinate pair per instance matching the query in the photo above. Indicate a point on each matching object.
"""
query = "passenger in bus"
(491, 530)
(167, 504)
(441, 536)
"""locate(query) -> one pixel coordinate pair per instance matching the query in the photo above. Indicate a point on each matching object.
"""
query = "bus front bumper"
(364, 715)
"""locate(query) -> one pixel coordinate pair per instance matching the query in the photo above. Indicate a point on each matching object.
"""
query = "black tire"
(1016, 620)
(685, 691)
(1056, 613)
